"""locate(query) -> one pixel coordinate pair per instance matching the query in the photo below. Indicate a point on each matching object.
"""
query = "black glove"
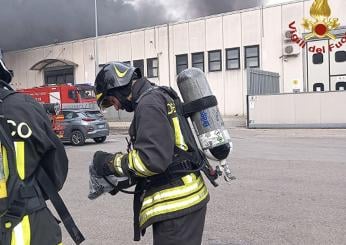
(103, 163)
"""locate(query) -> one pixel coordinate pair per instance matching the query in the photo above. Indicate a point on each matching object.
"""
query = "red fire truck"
(57, 97)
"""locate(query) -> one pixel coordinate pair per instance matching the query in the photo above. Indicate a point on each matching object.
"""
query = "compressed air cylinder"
(208, 123)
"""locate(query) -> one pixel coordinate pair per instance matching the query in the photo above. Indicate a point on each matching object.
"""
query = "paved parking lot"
(290, 189)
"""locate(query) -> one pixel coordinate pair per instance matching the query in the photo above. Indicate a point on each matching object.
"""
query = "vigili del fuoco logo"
(319, 26)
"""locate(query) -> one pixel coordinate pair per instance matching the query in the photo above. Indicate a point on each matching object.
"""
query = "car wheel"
(77, 138)
(100, 139)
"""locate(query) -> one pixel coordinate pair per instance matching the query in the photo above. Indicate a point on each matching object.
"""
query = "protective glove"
(99, 185)
(103, 163)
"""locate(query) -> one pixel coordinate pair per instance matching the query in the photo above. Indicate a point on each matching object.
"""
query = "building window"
(318, 87)
(198, 60)
(59, 75)
(139, 64)
(252, 56)
(181, 62)
(214, 59)
(340, 86)
(317, 58)
(153, 67)
(340, 56)
(233, 59)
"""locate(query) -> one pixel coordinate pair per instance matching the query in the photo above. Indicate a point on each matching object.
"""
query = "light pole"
(96, 38)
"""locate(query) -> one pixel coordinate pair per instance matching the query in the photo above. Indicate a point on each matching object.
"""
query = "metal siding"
(233, 78)
(124, 44)
(214, 37)
(318, 73)
(262, 82)
(89, 62)
(337, 68)
(197, 36)
(292, 66)
(180, 38)
(137, 45)
(251, 27)
(272, 40)
(112, 48)
(163, 54)
(102, 50)
(78, 58)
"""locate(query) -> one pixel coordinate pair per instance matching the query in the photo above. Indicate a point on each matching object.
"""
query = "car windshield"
(93, 114)
(87, 94)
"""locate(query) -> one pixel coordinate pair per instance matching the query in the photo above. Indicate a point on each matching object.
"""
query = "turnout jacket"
(154, 132)
(35, 145)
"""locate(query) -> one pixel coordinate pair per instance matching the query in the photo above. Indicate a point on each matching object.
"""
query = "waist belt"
(175, 171)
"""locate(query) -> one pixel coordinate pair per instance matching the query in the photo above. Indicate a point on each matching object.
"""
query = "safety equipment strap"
(199, 105)
(59, 205)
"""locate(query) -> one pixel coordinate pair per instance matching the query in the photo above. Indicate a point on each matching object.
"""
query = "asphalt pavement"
(290, 189)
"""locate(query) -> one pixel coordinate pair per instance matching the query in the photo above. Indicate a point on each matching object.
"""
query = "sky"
(30, 23)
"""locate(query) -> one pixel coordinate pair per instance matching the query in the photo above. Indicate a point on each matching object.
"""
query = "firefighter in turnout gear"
(171, 200)
(33, 168)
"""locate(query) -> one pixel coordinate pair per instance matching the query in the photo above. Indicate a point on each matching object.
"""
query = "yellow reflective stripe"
(179, 138)
(138, 166)
(5, 162)
(172, 206)
(3, 188)
(189, 178)
(60, 243)
(21, 232)
(117, 165)
(173, 193)
(99, 95)
(119, 73)
(3, 180)
(20, 159)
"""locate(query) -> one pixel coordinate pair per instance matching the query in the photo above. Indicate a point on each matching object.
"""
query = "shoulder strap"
(59, 205)
(4, 93)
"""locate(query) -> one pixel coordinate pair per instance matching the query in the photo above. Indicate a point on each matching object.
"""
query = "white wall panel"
(89, 62)
(137, 42)
(102, 50)
(251, 27)
(214, 33)
(197, 36)
(293, 66)
(78, 58)
(112, 48)
(163, 55)
(124, 47)
(181, 38)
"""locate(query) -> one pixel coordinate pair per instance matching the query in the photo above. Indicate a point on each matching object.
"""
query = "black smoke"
(30, 23)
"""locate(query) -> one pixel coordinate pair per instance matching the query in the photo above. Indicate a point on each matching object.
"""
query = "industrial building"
(224, 46)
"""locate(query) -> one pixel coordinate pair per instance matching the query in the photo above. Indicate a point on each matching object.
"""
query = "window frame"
(192, 60)
(178, 65)
(248, 57)
(142, 65)
(318, 55)
(337, 60)
(229, 59)
(150, 74)
(209, 61)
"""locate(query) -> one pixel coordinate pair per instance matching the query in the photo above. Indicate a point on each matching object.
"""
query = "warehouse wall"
(259, 26)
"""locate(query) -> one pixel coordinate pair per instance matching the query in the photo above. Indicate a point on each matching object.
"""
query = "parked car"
(82, 124)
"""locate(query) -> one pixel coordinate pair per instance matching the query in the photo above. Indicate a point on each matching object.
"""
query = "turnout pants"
(38, 228)
(185, 230)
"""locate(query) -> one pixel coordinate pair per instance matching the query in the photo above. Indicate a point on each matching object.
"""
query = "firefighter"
(35, 165)
(173, 202)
